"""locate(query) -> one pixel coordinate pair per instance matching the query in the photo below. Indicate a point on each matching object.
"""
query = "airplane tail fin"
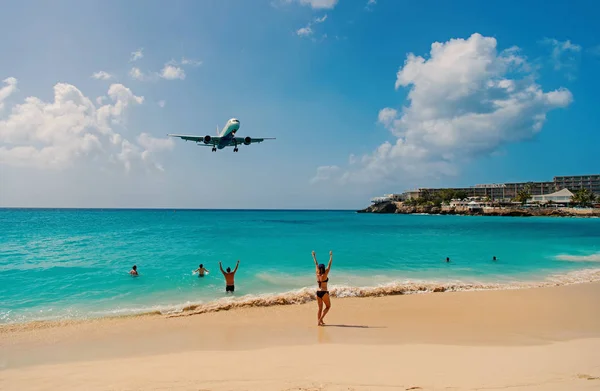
(217, 130)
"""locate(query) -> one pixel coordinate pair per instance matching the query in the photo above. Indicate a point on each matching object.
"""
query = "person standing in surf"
(229, 283)
(322, 292)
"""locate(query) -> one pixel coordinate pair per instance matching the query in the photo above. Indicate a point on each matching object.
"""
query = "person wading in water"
(230, 286)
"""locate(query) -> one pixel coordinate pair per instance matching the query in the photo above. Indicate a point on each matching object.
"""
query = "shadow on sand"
(353, 326)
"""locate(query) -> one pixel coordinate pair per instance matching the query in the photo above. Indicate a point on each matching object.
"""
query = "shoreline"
(392, 207)
(532, 339)
(306, 295)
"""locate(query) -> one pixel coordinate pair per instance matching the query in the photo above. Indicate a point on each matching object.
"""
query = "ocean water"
(67, 263)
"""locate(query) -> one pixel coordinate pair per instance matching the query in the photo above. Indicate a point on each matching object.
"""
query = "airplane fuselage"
(228, 133)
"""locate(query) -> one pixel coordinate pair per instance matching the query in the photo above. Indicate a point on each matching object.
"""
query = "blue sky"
(510, 95)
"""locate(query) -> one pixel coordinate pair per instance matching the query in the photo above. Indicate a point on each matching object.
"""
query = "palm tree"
(583, 197)
(524, 195)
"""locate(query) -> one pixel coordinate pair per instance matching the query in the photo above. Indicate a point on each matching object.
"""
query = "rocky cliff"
(398, 207)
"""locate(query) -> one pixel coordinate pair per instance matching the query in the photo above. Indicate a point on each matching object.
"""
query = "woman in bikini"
(322, 292)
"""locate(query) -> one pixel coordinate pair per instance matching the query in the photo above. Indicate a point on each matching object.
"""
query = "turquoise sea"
(69, 263)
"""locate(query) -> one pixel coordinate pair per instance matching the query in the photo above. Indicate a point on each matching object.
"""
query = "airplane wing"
(215, 140)
(241, 140)
(199, 139)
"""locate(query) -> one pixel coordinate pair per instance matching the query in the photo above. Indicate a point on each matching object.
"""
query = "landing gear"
(214, 149)
(235, 149)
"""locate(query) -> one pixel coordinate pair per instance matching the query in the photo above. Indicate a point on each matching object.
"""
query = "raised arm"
(236, 266)
(221, 267)
(330, 260)
(314, 255)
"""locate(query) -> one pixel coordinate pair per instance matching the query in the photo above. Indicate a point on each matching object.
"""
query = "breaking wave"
(306, 295)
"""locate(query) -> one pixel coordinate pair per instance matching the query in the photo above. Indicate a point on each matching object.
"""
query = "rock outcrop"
(398, 207)
(383, 207)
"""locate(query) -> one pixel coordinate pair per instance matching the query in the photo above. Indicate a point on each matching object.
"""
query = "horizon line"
(166, 208)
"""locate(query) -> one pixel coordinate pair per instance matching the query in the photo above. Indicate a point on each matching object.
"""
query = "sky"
(364, 98)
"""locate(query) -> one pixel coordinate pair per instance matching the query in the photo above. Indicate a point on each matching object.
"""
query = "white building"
(455, 202)
(474, 205)
(560, 197)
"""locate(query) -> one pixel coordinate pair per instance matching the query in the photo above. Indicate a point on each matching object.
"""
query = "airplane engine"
(247, 140)
(207, 139)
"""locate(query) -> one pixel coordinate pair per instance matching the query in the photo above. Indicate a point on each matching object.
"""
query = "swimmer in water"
(322, 292)
(447, 260)
(201, 270)
(133, 271)
(494, 258)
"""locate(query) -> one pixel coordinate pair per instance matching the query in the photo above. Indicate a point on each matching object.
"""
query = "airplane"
(225, 138)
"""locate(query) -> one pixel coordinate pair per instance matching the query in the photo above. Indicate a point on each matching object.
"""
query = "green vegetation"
(524, 195)
(428, 199)
(583, 197)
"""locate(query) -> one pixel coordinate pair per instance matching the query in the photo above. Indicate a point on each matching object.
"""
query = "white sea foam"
(579, 258)
(305, 295)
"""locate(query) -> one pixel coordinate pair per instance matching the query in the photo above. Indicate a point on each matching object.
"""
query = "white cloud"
(138, 54)
(162, 103)
(9, 88)
(387, 116)
(324, 173)
(319, 4)
(564, 55)
(466, 100)
(71, 129)
(137, 74)
(321, 19)
(171, 72)
(304, 31)
(187, 61)
(370, 4)
(314, 4)
(102, 75)
(184, 61)
(152, 144)
(307, 30)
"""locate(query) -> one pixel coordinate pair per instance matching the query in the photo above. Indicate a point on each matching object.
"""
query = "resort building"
(560, 197)
(574, 183)
(508, 191)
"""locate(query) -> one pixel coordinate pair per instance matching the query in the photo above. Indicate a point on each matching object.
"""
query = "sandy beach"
(526, 339)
